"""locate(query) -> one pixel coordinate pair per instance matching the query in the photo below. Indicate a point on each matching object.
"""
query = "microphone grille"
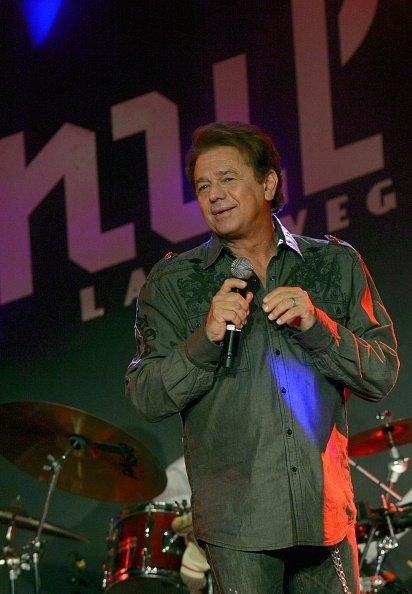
(241, 268)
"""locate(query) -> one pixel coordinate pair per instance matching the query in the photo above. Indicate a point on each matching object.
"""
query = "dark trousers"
(296, 570)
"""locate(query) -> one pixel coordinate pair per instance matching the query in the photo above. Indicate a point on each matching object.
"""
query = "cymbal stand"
(10, 558)
(389, 542)
(367, 546)
(397, 465)
(390, 492)
(77, 442)
(375, 480)
(13, 563)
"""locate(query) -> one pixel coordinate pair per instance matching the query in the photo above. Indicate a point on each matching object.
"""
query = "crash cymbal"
(107, 463)
(25, 522)
(376, 439)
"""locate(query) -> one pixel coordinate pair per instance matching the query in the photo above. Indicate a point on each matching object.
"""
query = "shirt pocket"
(195, 321)
(242, 360)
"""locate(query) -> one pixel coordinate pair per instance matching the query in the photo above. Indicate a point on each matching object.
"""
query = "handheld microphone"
(240, 268)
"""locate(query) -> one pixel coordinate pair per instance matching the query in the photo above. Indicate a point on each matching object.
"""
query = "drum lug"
(172, 543)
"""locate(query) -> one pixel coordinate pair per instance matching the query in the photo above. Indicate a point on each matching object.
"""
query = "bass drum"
(144, 554)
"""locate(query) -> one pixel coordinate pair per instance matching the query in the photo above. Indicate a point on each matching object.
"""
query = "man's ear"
(270, 185)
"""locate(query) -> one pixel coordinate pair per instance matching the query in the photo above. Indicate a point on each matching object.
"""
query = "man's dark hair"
(256, 147)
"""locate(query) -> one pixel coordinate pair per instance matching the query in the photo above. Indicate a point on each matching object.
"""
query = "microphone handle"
(232, 338)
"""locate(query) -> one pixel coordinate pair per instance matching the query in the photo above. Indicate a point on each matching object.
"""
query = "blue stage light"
(40, 16)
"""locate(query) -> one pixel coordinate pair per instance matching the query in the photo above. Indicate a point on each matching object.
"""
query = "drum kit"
(80, 453)
(379, 530)
(75, 451)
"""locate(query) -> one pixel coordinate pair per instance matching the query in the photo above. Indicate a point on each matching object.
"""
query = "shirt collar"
(285, 237)
(215, 245)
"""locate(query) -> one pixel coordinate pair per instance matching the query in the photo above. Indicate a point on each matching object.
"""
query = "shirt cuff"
(321, 335)
(201, 351)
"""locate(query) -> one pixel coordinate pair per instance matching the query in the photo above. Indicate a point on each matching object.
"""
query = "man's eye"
(202, 188)
(228, 179)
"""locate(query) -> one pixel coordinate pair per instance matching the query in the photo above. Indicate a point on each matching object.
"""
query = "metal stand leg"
(13, 574)
(367, 545)
(55, 466)
(375, 480)
(11, 559)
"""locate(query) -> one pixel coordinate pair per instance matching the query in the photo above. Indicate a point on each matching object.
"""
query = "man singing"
(264, 427)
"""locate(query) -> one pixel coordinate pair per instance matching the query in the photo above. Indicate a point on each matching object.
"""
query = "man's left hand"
(291, 306)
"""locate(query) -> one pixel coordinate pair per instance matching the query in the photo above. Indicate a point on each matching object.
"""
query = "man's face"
(232, 202)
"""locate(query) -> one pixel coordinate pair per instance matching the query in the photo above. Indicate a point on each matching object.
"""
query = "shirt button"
(289, 431)
(294, 469)
(277, 352)
(272, 278)
(283, 390)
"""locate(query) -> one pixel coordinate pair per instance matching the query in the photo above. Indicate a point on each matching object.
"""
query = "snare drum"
(144, 554)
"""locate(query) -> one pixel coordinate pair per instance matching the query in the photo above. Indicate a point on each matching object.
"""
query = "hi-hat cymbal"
(107, 463)
(25, 522)
(376, 439)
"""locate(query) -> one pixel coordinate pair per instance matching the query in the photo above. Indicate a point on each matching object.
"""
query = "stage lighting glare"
(40, 16)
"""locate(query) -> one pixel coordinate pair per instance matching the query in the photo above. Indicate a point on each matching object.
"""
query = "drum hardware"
(375, 480)
(371, 584)
(397, 465)
(15, 520)
(83, 452)
(378, 439)
(171, 543)
(32, 556)
(183, 505)
(383, 523)
(99, 450)
(144, 554)
(12, 560)
(387, 436)
(389, 542)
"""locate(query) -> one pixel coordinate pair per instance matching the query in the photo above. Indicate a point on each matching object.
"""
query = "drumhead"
(147, 507)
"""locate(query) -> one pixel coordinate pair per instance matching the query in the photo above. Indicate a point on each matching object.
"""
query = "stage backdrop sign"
(98, 103)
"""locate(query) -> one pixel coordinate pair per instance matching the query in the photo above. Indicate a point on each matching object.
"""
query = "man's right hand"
(227, 306)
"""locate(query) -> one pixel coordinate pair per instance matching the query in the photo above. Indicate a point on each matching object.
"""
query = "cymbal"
(106, 463)
(376, 439)
(25, 522)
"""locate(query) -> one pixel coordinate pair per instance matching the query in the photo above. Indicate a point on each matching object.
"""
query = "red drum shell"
(144, 553)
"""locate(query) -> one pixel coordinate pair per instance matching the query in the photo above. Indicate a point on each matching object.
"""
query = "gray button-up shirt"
(266, 442)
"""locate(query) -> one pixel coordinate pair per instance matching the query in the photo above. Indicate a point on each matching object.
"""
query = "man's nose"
(216, 192)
